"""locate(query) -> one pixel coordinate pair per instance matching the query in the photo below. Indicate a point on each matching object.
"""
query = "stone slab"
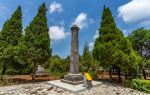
(70, 87)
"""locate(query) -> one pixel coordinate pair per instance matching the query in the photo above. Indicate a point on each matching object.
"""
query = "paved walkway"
(46, 89)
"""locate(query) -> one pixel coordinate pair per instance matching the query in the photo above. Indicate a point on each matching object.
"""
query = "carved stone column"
(73, 76)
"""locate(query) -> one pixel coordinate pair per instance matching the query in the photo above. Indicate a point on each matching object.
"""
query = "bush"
(58, 66)
(127, 83)
(58, 74)
(93, 75)
(141, 85)
(11, 71)
(19, 69)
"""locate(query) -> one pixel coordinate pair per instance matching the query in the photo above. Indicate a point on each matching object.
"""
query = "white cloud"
(126, 32)
(55, 7)
(81, 20)
(91, 44)
(96, 34)
(23, 31)
(57, 33)
(135, 11)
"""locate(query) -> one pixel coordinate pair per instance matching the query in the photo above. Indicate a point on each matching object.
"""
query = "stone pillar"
(73, 76)
(74, 59)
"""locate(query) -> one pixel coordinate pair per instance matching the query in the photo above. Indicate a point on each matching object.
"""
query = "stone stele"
(74, 77)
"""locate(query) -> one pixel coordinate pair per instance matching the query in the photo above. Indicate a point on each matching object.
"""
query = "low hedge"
(141, 85)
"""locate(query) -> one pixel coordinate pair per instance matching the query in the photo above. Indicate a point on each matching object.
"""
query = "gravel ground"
(45, 89)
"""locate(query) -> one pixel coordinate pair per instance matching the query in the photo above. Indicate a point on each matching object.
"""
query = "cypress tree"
(37, 38)
(111, 49)
(9, 37)
(105, 43)
(86, 59)
(12, 29)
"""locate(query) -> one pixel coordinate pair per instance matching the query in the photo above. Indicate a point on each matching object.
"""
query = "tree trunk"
(126, 76)
(144, 74)
(113, 71)
(110, 74)
(34, 71)
(3, 72)
(123, 78)
(119, 76)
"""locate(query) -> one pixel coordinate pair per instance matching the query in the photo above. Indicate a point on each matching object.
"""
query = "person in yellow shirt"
(87, 80)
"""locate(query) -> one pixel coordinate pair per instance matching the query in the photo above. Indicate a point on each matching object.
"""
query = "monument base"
(72, 88)
(73, 79)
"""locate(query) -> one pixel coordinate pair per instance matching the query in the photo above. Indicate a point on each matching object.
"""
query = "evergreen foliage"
(105, 43)
(140, 40)
(12, 29)
(86, 59)
(37, 38)
(111, 49)
(9, 38)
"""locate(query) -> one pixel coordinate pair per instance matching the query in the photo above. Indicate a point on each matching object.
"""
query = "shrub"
(141, 85)
(19, 69)
(93, 75)
(127, 82)
(58, 66)
(11, 71)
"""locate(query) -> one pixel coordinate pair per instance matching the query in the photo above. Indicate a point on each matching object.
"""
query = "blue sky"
(61, 14)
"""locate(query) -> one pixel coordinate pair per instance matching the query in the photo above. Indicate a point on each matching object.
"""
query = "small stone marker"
(40, 70)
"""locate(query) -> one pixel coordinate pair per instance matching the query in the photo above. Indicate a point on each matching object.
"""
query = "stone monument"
(40, 70)
(74, 77)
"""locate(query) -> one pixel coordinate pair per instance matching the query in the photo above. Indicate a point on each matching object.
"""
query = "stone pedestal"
(73, 77)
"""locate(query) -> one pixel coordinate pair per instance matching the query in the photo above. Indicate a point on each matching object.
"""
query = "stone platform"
(73, 79)
(70, 87)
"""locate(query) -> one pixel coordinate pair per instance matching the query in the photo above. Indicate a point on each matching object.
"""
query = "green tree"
(140, 40)
(58, 66)
(105, 43)
(12, 28)
(37, 38)
(9, 37)
(86, 59)
(126, 58)
(111, 49)
(21, 57)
